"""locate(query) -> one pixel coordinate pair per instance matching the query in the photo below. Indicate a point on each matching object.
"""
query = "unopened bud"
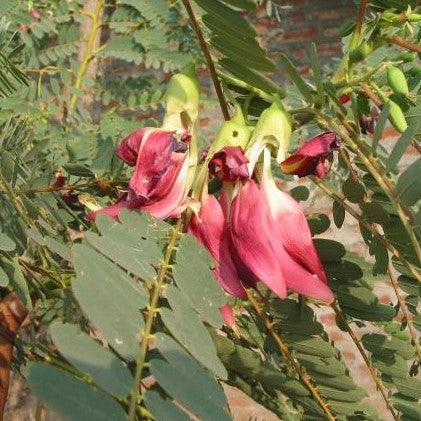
(397, 81)
(182, 99)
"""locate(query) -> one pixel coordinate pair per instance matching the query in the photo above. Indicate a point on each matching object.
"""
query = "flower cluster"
(254, 231)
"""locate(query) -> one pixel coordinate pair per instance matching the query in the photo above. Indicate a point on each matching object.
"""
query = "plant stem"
(380, 176)
(151, 312)
(196, 28)
(404, 43)
(66, 187)
(90, 45)
(371, 369)
(357, 215)
(286, 353)
(405, 311)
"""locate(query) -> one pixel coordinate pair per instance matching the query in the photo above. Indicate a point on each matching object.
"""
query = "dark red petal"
(229, 164)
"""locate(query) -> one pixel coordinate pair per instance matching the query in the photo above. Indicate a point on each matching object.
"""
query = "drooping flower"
(313, 157)
(158, 184)
(368, 123)
(229, 164)
(164, 158)
(210, 229)
(296, 238)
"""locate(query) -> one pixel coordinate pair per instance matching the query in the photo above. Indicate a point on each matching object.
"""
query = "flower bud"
(360, 53)
(397, 81)
(182, 100)
(396, 117)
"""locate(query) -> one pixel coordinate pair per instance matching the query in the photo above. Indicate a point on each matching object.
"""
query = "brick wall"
(302, 22)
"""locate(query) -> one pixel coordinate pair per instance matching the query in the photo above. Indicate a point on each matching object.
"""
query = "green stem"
(196, 28)
(90, 44)
(371, 369)
(150, 317)
(380, 176)
(358, 216)
(405, 312)
(283, 348)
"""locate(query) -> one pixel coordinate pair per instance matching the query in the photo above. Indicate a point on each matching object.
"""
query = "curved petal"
(153, 162)
(229, 164)
(164, 207)
(112, 210)
(255, 239)
(292, 224)
(227, 314)
(210, 230)
(128, 148)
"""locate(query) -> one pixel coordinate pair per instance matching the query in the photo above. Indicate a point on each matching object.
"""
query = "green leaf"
(191, 372)
(353, 190)
(305, 90)
(410, 409)
(408, 186)
(162, 408)
(72, 398)
(309, 345)
(6, 243)
(400, 147)
(227, 16)
(373, 212)
(338, 214)
(88, 356)
(329, 250)
(184, 324)
(410, 387)
(318, 223)
(19, 284)
(300, 193)
(381, 124)
(194, 278)
(251, 77)
(315, 65)
(110, 298)
(4, 279)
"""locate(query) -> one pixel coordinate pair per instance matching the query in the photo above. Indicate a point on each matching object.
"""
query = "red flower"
(343, 99)
(313, 157)
(229, 164)
(159, 182)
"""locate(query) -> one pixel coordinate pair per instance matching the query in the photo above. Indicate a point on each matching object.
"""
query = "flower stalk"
(283, 348)
(371, 369)
(196, 28)
(152, 309)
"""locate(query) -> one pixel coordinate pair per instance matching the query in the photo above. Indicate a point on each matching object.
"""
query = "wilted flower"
(368, 123)
(313, 157)
(229, 164)
(158, 184)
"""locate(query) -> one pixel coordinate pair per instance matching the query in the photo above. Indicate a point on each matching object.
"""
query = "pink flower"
(313, 157)
(296, 239)
(159, 182)
(229, 164)
(211, 230)
(227, 314)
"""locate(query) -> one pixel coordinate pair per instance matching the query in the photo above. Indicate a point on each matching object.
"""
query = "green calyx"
(273, 128)
(234, 132)
(182, 99)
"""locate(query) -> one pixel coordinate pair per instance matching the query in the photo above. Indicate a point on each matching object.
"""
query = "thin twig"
(286, 353)
(371, 369)
(379, 174)
(151, 312)
(358, 216)
(404, 43)
(196, 28)
(405, 311)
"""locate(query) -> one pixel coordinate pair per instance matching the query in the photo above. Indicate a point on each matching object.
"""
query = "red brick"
(300, 54)
(329, 49)
(331, 32)
(300, 35)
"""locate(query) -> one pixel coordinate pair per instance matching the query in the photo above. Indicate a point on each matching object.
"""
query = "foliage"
(132, 307)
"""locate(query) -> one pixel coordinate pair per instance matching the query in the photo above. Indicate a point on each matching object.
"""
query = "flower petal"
(128, 148)
(311, 158)
(255, 239)
(292, 224)
(210, 229)
(112, 210)
(229, 164)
